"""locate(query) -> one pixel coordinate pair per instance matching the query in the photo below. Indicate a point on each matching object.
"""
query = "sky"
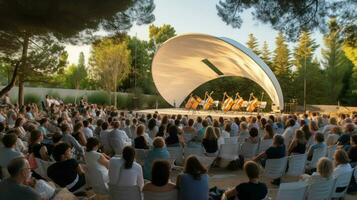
(194, 16)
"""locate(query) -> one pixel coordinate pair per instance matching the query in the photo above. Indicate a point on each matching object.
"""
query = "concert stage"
(202, 113)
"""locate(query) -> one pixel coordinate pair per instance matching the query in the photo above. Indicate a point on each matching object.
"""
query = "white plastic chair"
(229, 152)
(97, 180)
(42, 166)
(317, 154)
(171, 195)
(176, 154)
(297, 164)
(264, 145)
(320, 190)
(231, 140)
(248, 150)
(198, 151)
(331, 151)
(342, 181)
(124, 192)
(275, 168)
(140, 155)
(292, 191)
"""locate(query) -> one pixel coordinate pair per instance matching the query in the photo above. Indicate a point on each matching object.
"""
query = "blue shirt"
(154, 154)
(193, 189)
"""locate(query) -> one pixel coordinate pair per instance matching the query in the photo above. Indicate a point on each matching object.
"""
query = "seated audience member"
(96, 161)
(209, 141)
(319, 139)
(352, 152)
(140, 141)
(159, 151)
(15, 187)
(189, 128)
(274, 152)
(268, 132)
(125, 171)
(88, 132)
(289, 131)
(103, 137)
(251, 190)
(323, 172)
(78, 134)
(298, 145)
(253, 136)
(243, 131)
(8, 152)
(68, 138)
(220, 137)
(342, 164)
(193, 183)
(98, 128)
(173, 139)
(153, 129)
(160, 181)
(66, 172)
(36, 146)
(118, 139)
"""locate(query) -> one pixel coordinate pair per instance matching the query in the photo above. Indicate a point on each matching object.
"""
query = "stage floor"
(202, 113)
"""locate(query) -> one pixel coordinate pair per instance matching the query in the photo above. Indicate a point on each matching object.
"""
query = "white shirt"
(88, 133)
(118, 140)
(288, 135)
(104, 140)
(341, 169)
(225, 134)
(93, 165)
(234, 129)
(127, 177)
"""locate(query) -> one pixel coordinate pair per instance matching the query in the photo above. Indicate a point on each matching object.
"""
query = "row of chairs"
(134, 193)
(320, 190)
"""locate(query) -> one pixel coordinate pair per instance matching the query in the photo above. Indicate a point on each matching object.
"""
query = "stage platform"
(202, 113)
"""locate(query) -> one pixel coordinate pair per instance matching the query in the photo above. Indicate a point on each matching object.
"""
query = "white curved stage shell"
(178, 66)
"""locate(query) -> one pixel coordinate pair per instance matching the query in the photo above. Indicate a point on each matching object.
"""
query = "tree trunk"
(12, 82)
(25, 46)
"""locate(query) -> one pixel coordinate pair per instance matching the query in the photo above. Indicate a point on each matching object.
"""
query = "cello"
(227, 103)
(238, 102)
(208, 102)
(196, 101)
(190, 102)
(253, 103)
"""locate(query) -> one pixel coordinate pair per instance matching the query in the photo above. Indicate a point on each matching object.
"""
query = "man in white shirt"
(118, 139)
(8, 152)
(88, 133)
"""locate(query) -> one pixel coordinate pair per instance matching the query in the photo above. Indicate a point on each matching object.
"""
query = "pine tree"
(253, 44)
(266, 54)
(281, 66)
(334, 62)
(309, 68)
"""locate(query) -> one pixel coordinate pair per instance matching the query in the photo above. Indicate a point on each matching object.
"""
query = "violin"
(238, 102)
(208, 102)
(227, 103)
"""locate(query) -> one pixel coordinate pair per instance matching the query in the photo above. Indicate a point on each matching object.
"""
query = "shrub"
(151, 101)
(101, 98)
(69, 99)
(32, 98)
(53, 94)
(123, 101)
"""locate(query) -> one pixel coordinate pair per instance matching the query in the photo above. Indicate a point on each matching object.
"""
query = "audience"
(8, 152)
(159, 151)
(160, 181)
(319, 139)
(209, 141)
(298, 145)
(140, 141)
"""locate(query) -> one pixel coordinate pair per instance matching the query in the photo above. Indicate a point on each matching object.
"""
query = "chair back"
(248, 150)
(320, 190)
(330, 151)
(275, 168)
(140, 155)
(171, 195)
(264, 145)
(176, 154)
(198, 151)
(297, 164)
(292, 191)
(42, 166)
(97, 180)
(341, 185)
(231, 140)
(228, 152)
(124, 192)
(317, 154)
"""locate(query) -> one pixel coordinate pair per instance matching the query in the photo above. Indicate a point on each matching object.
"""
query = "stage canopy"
(185, 62)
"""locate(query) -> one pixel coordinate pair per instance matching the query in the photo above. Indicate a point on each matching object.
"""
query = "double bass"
(197, 102)
(208, 101)
(190, 102)
(253, 103)
(227, 103)
(238, 102)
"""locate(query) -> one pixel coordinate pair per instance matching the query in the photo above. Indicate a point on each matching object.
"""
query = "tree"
(281, 66)
(110, 64)
(334, 62)
(72, 21)
(252, 43)
(308, 71)
(266, 54)
(290, 17)
(158, 35)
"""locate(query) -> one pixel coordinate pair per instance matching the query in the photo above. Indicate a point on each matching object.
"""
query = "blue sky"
(198, 16)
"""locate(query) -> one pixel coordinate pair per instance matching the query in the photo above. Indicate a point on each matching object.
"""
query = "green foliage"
(159, 35)
(53, 94)
(101, 98)
(69, 99)
(252, 44)
(124, 101)
(76, 76)
(266, 54)
(32, 98)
